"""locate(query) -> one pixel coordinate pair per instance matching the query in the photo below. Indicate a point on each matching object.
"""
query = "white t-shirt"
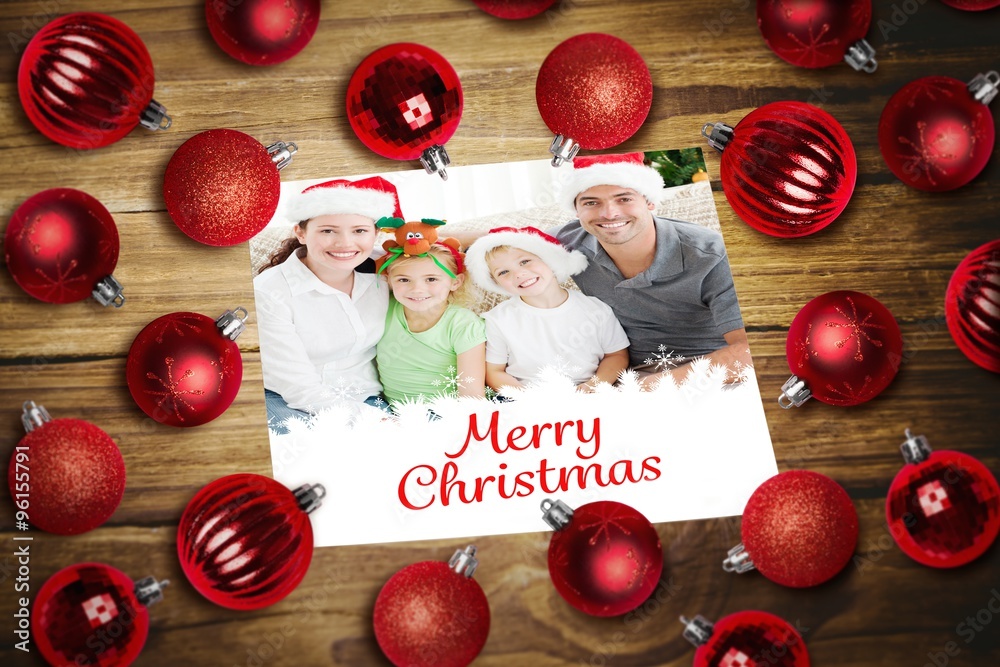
(572, 337)
(317, 344)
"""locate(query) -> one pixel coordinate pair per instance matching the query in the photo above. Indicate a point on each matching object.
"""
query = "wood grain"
(892, 242)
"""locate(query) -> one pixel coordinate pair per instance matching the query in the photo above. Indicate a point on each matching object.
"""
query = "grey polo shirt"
(684, 301)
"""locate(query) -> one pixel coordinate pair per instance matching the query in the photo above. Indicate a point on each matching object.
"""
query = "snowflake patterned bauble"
(943, 508)
(843, 348)
(605, 558)
(799, 529)
(972, 306)
(514, 9)
(745, 639)
(67, 475)
(788, 168)
(818, 33)
(593, 91)
(404, 101)
(61, 246)
(93, 614)
(433, 614)
(262, 32)
(86, 80)
(184, 369)
(936, 133)
(245, 541)
(221, 187)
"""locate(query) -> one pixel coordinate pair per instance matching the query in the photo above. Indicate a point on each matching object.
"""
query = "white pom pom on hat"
(563, 262)
(625, 170)
(372, 197)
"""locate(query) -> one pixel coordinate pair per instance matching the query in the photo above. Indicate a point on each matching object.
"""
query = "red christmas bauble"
(816, 33)
(943, 509)
(93, 614)
(972, 5)
(222, 186)
(182, 370)
(843, 348)
(433, 614)
(934, 135)
(245, 541)
(746, 639)
(262, 32)
(404, 101)
(594, 91)
(86, 80)
(514, 9)
(605, 558)
(799, 529)
(972, 306)
(788, 168)
(77, 474)
(61, 246)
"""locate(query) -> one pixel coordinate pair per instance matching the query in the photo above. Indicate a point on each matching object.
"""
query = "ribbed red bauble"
(943, 508)
(936, 133)
(245, 541)
(262, 32)
(222, 186)
(86, 80)
(788, 168)
(972, 306)
(67, 475)
(593, 91)
(93, 614)
(972, 5)
(433, 614)
(799, 529)
(818, 33)
(404, 102)
(605, 558)
(184, 369)
(843, 348)
(745, 639)
(514, 9)
(61, 246)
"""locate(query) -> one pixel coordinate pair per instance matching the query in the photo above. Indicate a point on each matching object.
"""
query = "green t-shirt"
(411, 365)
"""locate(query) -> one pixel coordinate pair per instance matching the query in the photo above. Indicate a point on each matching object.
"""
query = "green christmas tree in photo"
(677, 167)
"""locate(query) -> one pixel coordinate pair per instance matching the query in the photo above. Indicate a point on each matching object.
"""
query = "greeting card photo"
(445, 355)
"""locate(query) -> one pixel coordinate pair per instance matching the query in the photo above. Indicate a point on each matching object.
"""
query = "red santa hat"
(372, 197)
(563, 262)
(625, 170)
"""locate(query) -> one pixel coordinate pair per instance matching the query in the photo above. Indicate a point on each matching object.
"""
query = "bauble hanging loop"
(818, 33)
(86, 80)
(745, 638)
(972, 306)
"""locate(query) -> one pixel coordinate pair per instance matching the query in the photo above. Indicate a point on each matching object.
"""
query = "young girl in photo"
(431, 345)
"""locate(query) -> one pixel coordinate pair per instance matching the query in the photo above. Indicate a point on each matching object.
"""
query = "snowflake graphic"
(849, 395)
(173, 325)
(739, 373)
(857, 329)
(803, 348)
(57, 286)
(664, 360)
(451, 381)
(343, 390)
(171, 392)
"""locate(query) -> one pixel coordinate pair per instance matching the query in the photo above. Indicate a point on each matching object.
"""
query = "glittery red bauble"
(182, 371)
(76, 476)
(595, 89)
(88, 614)
(934, 135)
(429, 615)
(750, 639)
(403, 99)
(789, 169)
(514, 9)
(607, 561)
(245, 541)
(945, 510)
(972, 306)
(972, 5)
(845, 346)
(59, 244)
(813, 33)
(800, 528)
(85, 80)
(221, 187)
(262, 32)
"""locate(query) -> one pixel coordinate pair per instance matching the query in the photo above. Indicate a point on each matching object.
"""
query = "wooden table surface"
(708, 63)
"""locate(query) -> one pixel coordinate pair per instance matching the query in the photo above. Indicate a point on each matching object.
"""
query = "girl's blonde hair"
(460, 297)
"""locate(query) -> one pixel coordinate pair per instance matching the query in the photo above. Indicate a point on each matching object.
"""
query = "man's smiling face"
(613, 214)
